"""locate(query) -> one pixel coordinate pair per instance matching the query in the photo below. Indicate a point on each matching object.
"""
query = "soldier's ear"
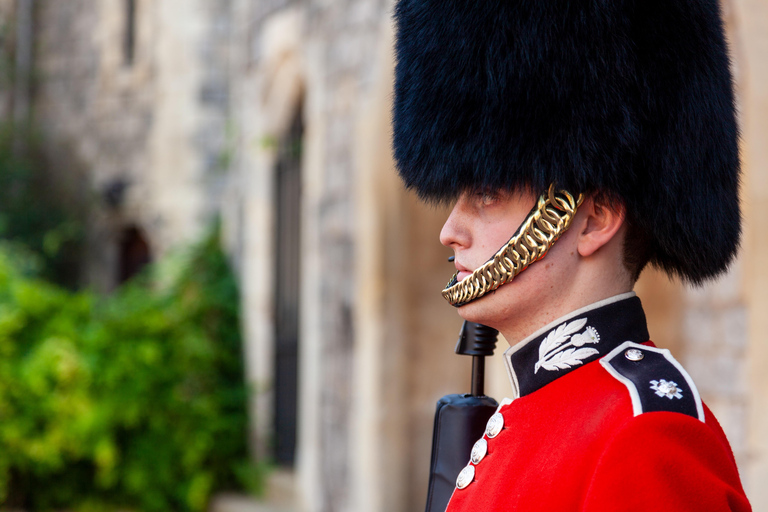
(600, 225)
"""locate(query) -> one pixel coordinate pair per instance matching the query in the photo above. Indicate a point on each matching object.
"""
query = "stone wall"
(7, 57)
(750, 41)
(376, 345)
(146, 138)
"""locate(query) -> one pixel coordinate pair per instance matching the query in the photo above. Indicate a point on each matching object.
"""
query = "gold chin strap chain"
(550, 218)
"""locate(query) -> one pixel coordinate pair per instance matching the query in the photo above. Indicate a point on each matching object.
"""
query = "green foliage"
(136, 400)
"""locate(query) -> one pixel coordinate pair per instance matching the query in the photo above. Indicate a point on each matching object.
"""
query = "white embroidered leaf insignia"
(568, 358)
(560, 349)
(559, 336)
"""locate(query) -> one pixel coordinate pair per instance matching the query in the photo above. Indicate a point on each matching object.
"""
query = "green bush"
(136, 400)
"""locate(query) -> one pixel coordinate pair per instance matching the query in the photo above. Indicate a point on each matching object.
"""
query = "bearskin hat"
(629, 98)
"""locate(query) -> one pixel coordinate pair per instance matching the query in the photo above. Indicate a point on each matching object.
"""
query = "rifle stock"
(460, 418)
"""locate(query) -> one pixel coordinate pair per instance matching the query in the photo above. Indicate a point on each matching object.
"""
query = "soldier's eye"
(487, 198)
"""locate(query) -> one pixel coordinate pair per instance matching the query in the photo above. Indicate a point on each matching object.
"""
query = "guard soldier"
(609, 128)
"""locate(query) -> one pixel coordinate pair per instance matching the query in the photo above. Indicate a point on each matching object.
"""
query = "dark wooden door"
(287, 289)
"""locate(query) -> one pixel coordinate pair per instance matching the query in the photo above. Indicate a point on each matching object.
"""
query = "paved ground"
(279, 498)
(236, 503)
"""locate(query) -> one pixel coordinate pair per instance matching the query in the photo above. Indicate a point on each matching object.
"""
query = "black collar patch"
(573, 341)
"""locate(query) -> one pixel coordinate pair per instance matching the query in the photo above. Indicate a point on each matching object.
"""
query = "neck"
(573, 313)
(580, 293)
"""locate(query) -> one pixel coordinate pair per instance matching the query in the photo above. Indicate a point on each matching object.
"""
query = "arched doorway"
(133, 255)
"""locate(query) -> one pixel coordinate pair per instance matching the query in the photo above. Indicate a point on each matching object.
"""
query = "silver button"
(634, 354)
(479, 450)
(494, 426)
(466, 476)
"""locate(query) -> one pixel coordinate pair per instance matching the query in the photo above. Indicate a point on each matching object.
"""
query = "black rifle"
(460, 419)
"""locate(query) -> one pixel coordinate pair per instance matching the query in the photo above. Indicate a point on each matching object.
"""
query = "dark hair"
(637, 249)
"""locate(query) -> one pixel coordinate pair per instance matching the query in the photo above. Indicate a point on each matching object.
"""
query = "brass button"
(479, 450)
(494, 426)
(634, 354)
(466, 476)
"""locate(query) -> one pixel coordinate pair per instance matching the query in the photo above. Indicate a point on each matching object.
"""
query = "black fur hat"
(632, 98)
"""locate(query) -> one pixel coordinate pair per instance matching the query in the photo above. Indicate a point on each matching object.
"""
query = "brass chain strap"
(536, 235)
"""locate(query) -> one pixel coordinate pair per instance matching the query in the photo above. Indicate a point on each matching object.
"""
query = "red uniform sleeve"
(663, 461)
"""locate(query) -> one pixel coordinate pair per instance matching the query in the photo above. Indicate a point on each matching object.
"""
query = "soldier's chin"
(481, 310)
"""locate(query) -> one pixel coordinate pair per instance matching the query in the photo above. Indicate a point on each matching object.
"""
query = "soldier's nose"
(455, 233)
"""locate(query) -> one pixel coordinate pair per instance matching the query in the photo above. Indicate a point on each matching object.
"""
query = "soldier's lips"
(462, 272)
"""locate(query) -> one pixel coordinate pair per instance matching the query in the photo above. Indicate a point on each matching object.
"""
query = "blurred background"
(216, 295)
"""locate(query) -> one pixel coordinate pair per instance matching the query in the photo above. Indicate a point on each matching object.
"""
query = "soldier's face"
(481, 223)
(478, 226)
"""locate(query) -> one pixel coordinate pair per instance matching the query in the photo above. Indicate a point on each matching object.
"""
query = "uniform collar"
(573, 340)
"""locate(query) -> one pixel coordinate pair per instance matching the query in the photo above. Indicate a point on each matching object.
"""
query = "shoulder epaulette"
(655, 380)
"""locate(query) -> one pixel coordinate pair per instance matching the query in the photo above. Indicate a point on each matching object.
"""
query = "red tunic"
(583, 442)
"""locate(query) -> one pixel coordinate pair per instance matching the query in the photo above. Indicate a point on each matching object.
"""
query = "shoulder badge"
(655, 380)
